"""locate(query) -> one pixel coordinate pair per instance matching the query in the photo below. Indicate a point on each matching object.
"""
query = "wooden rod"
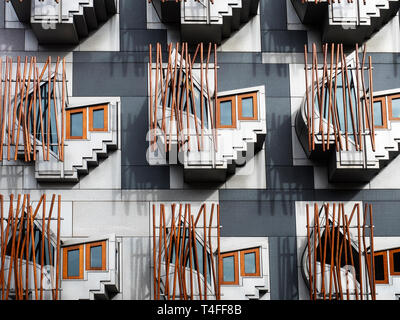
(154, 255)
(42, 249)
(307, 96)
(310, 274)
(159, 257)
(58, 244)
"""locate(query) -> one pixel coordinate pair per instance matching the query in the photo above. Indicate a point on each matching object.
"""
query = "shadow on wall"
(283, 268)
(11, 177)
(137, 273)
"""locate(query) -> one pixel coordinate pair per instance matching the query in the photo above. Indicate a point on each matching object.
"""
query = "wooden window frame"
(84, 121)
(242, 265)
(392, 272)
(231, 98)
(65, 262)
(103, 245)
(235, 265)
(385, 266)
(94, 108)
(240, 98)
(390, 99)
(382, 100)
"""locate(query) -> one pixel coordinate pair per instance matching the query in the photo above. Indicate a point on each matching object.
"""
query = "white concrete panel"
(387, 39)
(11, 177)
(170, 195)
(252, 176)
(121, 218)
(136, 274)
(104, 39)
(299, 156)
(321, 181)
(297, 80)
(29, 178)
(295, 105)
(246, 39)
(31, 43)
(389, 177)
(106, 176)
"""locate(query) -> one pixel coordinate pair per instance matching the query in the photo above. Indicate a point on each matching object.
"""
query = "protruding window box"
(344, 22)
(204, 21)
(91, 268)
(65, 21)
(210, 133)
(91, 132)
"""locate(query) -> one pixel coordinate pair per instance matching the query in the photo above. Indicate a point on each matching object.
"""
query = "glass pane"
(396, 262)
(378, 121)
(95, 257)
(73, 263)
(250, 262)
(226, 113)
(247, 108)
(76, 123)
(396, 108)
(98, 119)
(379, 268)
(228, 264)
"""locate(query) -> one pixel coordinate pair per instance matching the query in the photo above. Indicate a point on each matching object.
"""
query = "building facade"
(199, 150)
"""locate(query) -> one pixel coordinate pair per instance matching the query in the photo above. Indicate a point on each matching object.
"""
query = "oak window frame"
(79, 247)
(69, 112)
(88, 247)
(257, 272)
(105, 121)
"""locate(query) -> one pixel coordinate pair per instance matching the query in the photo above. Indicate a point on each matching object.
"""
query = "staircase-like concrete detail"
(81, 155)
(66, 22)
(203, 21)
(345, 22)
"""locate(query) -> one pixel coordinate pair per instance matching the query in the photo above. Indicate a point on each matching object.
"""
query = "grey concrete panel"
(2, 14)
(132, 14)
(265, 195)
(134, 125)
(12, 39)
(139, 40)
(273, 15)
(257, 218)
(386, 218)
(290, 177)
(275, 77)
(283, 268)
(145, 177)
(110, 79)
(283, 41)
(279, 150)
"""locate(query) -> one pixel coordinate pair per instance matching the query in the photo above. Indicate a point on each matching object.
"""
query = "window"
(73, 262)
(226, 112)
(247, 104)
(96, 256)
(250, 262)
(98, 118)
(229, 266)
(380, 260)
(380, 121)
(76, 123)
(394, 107)
(394, 256)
